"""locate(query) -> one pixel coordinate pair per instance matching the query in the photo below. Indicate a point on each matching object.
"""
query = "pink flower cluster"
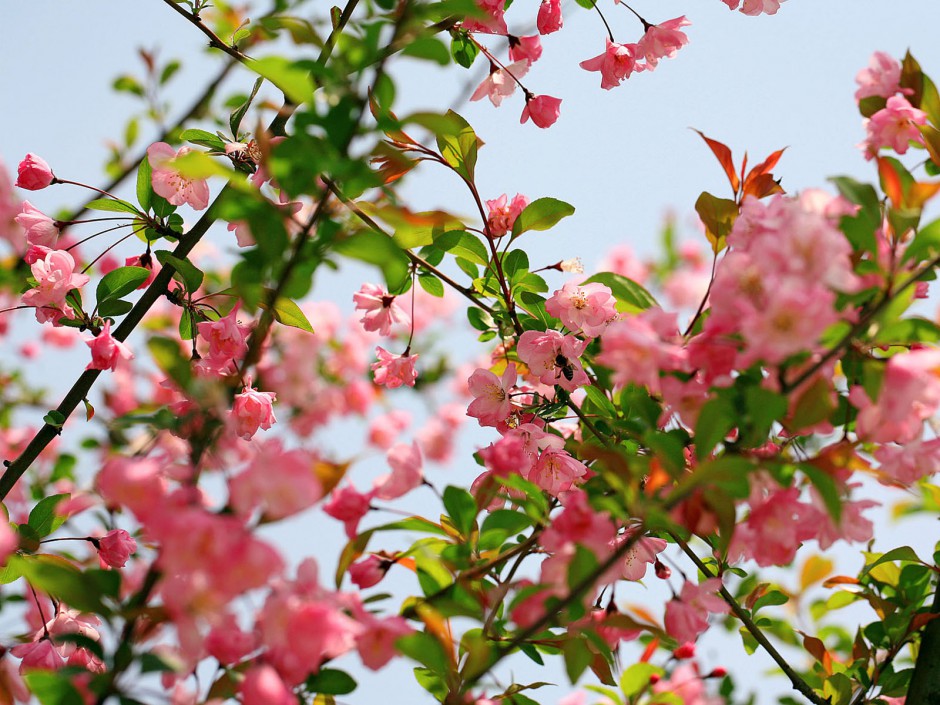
(895, 125)
(619, 61)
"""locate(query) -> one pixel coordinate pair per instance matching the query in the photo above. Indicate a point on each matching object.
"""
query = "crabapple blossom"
(908, 463)
(556, 471)
(40, 229)
(584, 308)
(281, 483)
(776, 527)
(385, 428)
(525, 48)
(502, 213)
(554, 358)
(755, 7)
(641, 554)
(687, 615)
(687, 686)
(252, 410)
(491, 404)
(637, 348)
(881, 78)
(115, 547)
(393, 371)
(549, 18)
(263, 686)
(381, 309)
(348, 505)
(55, 277)
(492, 21)
(369, 571)
(894, 126)
(543, 109)
(106, 350)
(169, 183)
(501, 82)
(615, 64)
(228, 342)
(406, 463)
(662, 41)
(33, 173)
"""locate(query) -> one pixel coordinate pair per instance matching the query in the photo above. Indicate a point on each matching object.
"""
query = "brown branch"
(795, 679)
(214, 41)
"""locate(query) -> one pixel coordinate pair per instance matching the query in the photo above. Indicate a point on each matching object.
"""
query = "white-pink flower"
(169, 183)
(382, 310)
(882, 77)
(894, 126)
(584, 308)
(106, 350)
(501, 82)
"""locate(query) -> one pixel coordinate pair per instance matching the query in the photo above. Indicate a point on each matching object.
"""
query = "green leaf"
(294, 81)
(860, 228)
(718, 216)
(204, 138)
(120, 282)
(235, 120)
(330, 681)
(636, 678)
(463, 49)
(144, 185)
(459, 145)
(631, 297)
(431, 284)
(375, 248)
(428, 48)
(901, 553)
(577, 658)
(770, 598)
(715, 420)
(926, 243)
(827, 487)
(189, 274)
(114, 307)
(515, 263)
(53, 688)
(462, 244)
(82, 590)
(461, 508)
(426, 650)
(288, 313)
(43, 519)
(112, 205)
(541, 214)
(54, 418)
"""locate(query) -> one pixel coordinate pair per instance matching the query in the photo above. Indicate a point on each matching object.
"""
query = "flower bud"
(33, 173)
(662, 570)
(687, 650)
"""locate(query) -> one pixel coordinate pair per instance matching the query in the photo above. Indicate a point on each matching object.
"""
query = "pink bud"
(687, 650)
(34, 174)
(253, 410)
(718, 672)
(662, 570)
(115, 547)
(369, 571)
(654, 678)
(543, 109)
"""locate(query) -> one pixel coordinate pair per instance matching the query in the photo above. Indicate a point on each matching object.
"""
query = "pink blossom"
(687, 615)
(55, 277)
(492, 403)
(40, 228)
(263, 686)
(39, 655)
(543, 109)
(525, 48)
(622, 260)
(908, 463)
(169, 183)
(252, 410)
(556, 471)
(554, 358)
(641, 554)
(281, 483)
(579, 523)
(115, 547)
(385, 428)
(687, 685)
(369, 571)
(106, 350)
(881, 78)
(501, 82)
(549, 18)
(393, 371)
(348, 505)
(376, 641)
(502, 214)
(492, 21)
(33, 173)
(616, 64)
(585, 308)
(894, 126)
(228, 342)
(135, 483)
(406, 463)
(381, 309)
(639, 348)
(9, 541)
(228, 643)
(776, 527)
(662, 41)
(755, 7)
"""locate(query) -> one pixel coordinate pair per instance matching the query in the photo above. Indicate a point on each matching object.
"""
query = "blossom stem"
(604, 20)
(214, 41)
(489, 55)
(646, 25)
(795, 679)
